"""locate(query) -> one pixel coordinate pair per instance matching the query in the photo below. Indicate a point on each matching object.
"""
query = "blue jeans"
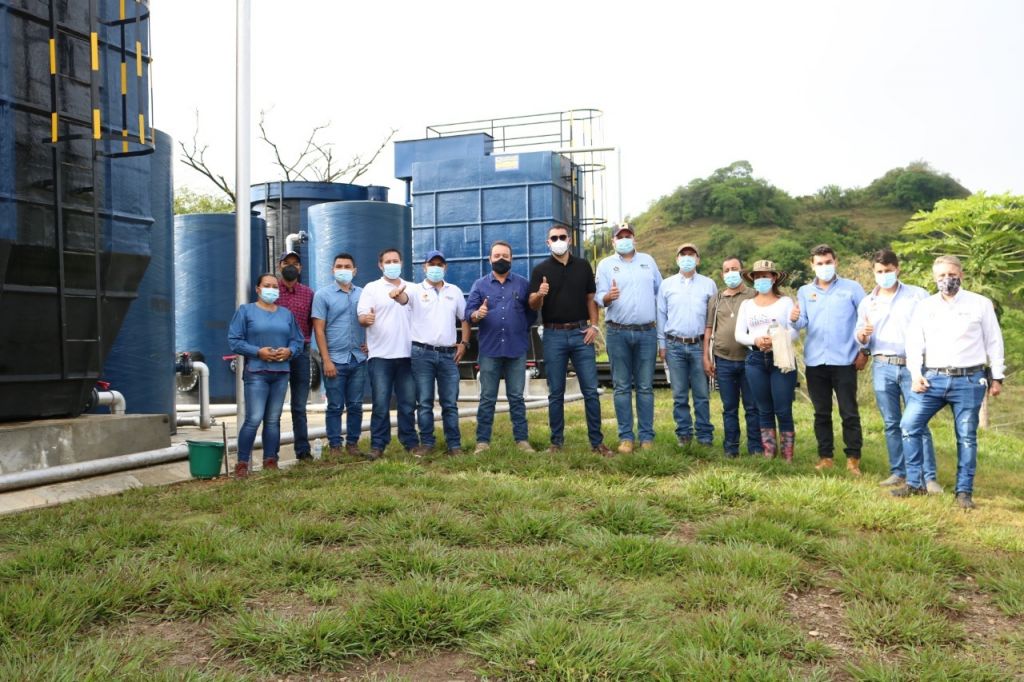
(734, 387)
(430, 367)
(513, 371)
(686, 373)
(633, 354)
(298, 380)
(387, 376)
(964, 396)
(892, 382)
(345, 392)
(561, 346)
(264, 402)
(774, 391)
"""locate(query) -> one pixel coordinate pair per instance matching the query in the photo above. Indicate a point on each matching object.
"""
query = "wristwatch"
(865, 351)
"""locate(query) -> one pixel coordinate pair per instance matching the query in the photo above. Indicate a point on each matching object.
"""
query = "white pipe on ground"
(113, 399)
(205, 421)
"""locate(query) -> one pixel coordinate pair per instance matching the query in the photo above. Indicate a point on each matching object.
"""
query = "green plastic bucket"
(205, 458)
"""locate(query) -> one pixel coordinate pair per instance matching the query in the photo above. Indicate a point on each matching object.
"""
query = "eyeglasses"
(559, 238)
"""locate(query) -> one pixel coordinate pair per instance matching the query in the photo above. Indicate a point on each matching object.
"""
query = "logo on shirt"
(643, 266)
(615, 268)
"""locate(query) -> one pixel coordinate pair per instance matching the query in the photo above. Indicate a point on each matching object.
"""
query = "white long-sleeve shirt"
(753, 320)
(960, 333)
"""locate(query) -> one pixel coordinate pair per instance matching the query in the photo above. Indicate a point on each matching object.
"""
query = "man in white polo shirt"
(389, 342)
(951, 338)
(436, 306)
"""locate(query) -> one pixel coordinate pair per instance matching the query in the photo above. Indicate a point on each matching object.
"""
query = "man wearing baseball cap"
(298, 298)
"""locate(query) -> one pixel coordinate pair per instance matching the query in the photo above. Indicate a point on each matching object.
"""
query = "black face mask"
(290, 273)
(501, 266)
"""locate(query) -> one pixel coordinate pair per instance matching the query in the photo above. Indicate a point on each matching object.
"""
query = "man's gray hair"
(949, 260)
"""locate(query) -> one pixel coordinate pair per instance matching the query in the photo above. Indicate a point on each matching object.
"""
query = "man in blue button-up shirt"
(342, 344)
(627, 288)
(827, 307)
(500, 304)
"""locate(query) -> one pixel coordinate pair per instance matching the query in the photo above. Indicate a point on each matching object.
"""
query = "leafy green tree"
(916, 187)
(187, 200)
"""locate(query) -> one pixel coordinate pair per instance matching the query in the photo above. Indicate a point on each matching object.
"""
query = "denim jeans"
(389, 375)
(430, 368)
(686, 373)
(299, 382)
(513, 371)
(734, 387)
(892, 382)
(345, 392)
(264, 402)
(561, 346)
(773, 389)
(822, 382)
(964, 396)
(632, 355)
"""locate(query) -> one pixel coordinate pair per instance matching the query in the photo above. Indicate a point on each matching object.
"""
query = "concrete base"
(48, 442)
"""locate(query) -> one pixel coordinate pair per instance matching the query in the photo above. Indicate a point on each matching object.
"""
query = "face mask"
(559, 248)
(624, 245)
(392, 270)
(949, 285)
(269, 295)
(732, 279)
(686, 263)
(435, 273)
(343, 276)
(886, 280)
(825, 273)
(290, 273)
(501, 266)
(763, 285)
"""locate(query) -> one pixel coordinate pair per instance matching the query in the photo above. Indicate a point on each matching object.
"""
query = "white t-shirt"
(753, 320)
(435, 312)
(389, 335)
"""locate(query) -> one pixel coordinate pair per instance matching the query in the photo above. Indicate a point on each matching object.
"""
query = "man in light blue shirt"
(882, 321)
(342, 344)
(827, 307)
(682, 318)
(627, 286)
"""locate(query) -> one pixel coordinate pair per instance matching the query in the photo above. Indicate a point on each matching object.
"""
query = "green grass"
(662, 565)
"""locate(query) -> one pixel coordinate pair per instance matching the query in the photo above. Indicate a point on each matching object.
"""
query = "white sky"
(810, 93)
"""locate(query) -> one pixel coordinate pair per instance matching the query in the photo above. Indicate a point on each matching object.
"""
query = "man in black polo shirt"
(562, 288)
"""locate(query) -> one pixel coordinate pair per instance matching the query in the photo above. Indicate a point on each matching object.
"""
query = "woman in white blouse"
(773, 389)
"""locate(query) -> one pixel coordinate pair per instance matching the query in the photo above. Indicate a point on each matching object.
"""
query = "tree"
(916, 187)
(187, 200)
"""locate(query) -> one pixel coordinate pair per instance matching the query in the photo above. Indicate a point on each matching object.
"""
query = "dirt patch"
(981, 620)
(684, 532)
(445, 666)
(290, 604)
(820, 614)
(189, 644)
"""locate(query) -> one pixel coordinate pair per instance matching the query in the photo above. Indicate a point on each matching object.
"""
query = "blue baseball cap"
(289, 253)
(431, 255)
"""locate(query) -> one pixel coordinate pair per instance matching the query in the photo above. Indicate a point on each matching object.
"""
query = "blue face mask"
(343, 276)
(763, 285)
(392, 270)
(687, 263)
(269, 295)
(886, 280)
(624, 245)
(435, 273)
(732, 279)
(826, 273)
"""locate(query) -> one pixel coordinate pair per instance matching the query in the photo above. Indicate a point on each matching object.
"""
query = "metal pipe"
(113, 399)
(243, 205)
(292, 241)
(205, 420)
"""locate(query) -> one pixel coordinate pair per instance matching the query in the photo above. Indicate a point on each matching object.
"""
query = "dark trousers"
(822, 382)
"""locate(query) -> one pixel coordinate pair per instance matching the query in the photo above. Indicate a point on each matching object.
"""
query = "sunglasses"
(558, 238)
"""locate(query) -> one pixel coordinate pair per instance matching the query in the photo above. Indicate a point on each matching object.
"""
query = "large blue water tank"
(141, 363)
(204, 262)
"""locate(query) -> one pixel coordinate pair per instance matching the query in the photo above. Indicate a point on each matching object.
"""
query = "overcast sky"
(810, 93)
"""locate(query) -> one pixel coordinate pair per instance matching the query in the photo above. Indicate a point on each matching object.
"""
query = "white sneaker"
(481, 447)
(933, 488)
(524, 446)
(892, 481)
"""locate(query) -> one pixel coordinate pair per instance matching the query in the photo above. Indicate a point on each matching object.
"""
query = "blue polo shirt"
(830, 316)
(253, 328)
(638, 280)
(505, 332)
(345, 336)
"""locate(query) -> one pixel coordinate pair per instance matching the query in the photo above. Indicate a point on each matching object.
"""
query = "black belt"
(439, 349)
(891, 359)
(955, 371)
(631, 327)
(689, 340)
(583, 324)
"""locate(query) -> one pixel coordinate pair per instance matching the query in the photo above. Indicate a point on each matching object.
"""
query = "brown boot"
(824, 463)
(769, 438)
(241, 469)
(788, 443)
(853, 465)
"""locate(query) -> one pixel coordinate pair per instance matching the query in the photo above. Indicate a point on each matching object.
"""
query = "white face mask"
(826, 273)
(560, 247)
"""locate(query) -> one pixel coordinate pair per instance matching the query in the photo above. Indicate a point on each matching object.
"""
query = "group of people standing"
(408, 339)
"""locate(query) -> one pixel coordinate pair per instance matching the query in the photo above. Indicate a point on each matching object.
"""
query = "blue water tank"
(141, 363)
(361, 228)
(376, 193)
(204, 263)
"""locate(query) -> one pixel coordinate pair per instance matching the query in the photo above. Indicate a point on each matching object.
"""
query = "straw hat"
(766, 266)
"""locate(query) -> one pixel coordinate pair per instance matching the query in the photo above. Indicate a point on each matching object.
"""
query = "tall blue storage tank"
(204, 262)
(361, 228)
(141, 363)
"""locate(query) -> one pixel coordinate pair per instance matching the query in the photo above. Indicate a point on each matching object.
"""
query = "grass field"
(661, 565)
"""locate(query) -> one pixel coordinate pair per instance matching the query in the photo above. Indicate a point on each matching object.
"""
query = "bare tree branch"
(195, 158)
(366, 166)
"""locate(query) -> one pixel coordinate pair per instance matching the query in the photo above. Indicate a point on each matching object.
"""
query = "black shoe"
(907, 491)
(964, 501)
(732, 455)
(303, 456)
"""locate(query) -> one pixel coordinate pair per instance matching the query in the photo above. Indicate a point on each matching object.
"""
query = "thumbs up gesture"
(613, 293)
(794, 315)
(544, 288)
(866, 331)
(481, 312)
(396, 292)
(367, 319)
